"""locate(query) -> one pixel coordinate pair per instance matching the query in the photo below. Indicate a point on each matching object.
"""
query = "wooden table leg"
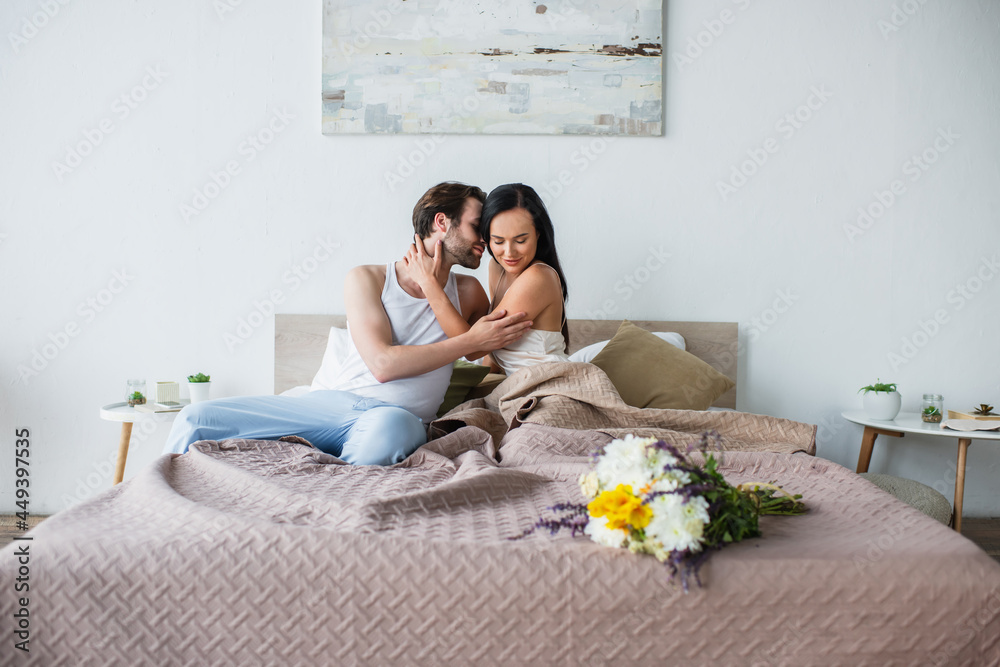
(963, 448)
(868, 443)
(123, 451)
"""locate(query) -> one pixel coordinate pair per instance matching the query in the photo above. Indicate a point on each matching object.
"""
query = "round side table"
(121, 412)
(911, 422)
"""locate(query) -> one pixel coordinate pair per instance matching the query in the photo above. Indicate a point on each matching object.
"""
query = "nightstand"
(911, 422)
(122, 412)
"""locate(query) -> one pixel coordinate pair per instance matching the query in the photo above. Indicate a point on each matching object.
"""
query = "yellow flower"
(621, 509)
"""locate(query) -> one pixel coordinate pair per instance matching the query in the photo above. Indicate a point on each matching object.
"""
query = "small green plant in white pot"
(198, 386)
(881, 400)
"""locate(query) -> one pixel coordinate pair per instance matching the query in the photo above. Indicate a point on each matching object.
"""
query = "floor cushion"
(917, 495)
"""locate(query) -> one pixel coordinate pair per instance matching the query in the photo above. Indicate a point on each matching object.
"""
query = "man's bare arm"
(425, 270)
(372, 333)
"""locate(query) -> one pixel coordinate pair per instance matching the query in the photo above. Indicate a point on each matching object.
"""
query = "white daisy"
(671, 481)
(678, 525)
(626, 461)
(599, 532)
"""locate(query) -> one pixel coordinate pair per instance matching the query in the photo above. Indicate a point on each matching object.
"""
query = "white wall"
(225, 75)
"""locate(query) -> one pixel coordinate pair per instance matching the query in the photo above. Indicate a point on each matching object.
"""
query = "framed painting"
(497, 67)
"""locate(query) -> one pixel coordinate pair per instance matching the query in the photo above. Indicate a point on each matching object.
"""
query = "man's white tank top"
(413, 323)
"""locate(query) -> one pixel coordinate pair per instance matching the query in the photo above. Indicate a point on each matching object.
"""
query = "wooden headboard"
(300, 341)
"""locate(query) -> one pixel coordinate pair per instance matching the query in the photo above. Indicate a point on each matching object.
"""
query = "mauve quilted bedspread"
(273, 553)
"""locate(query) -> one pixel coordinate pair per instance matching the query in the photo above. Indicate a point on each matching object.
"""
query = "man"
(399, 362)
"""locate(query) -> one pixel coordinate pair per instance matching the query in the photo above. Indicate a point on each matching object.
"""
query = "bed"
(271, 552)
(300, 341)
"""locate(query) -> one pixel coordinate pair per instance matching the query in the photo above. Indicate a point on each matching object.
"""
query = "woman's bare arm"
(533, 292)
(372, 334)
(424, 269)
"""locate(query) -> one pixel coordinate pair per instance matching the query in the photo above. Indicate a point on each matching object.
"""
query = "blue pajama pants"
(359, 430)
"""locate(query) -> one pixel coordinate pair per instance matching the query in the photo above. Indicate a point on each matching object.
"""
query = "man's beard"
(460, 250)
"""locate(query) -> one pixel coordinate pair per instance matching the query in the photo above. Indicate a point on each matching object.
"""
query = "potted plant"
(931, 414)
(198, 386)
(881, 400)
(135, 392)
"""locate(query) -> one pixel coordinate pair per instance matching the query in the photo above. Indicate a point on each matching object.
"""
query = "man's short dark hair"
(448, 198)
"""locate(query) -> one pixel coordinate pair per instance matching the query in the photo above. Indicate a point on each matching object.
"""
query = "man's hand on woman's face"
(422, 267)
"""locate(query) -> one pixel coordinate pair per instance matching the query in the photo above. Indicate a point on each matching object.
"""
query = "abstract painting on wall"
(492, 67)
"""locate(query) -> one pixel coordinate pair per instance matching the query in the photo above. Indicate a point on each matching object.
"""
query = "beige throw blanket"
(581, 396)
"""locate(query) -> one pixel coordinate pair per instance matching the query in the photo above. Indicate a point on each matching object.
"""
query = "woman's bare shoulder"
(540, 278)
(541, 273)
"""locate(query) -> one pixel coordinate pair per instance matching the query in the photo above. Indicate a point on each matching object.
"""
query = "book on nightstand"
(166, 406)
(955, 414)
(970, 425)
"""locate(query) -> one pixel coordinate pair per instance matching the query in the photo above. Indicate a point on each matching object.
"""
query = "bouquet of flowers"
(647, 496)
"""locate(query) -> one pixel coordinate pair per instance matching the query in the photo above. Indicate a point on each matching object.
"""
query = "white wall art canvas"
(497, 67)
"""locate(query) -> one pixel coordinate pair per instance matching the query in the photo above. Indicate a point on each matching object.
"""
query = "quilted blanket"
(271, 553)
(581, 396)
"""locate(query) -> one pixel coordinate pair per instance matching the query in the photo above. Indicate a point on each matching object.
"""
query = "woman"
(524, 276)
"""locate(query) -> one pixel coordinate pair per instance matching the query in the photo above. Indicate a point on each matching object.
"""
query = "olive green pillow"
(649, 372)
(464, 376)
(486, 387)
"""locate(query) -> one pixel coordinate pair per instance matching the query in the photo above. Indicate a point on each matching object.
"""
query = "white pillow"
(337, 348)
(588, 353)
(301, 390)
